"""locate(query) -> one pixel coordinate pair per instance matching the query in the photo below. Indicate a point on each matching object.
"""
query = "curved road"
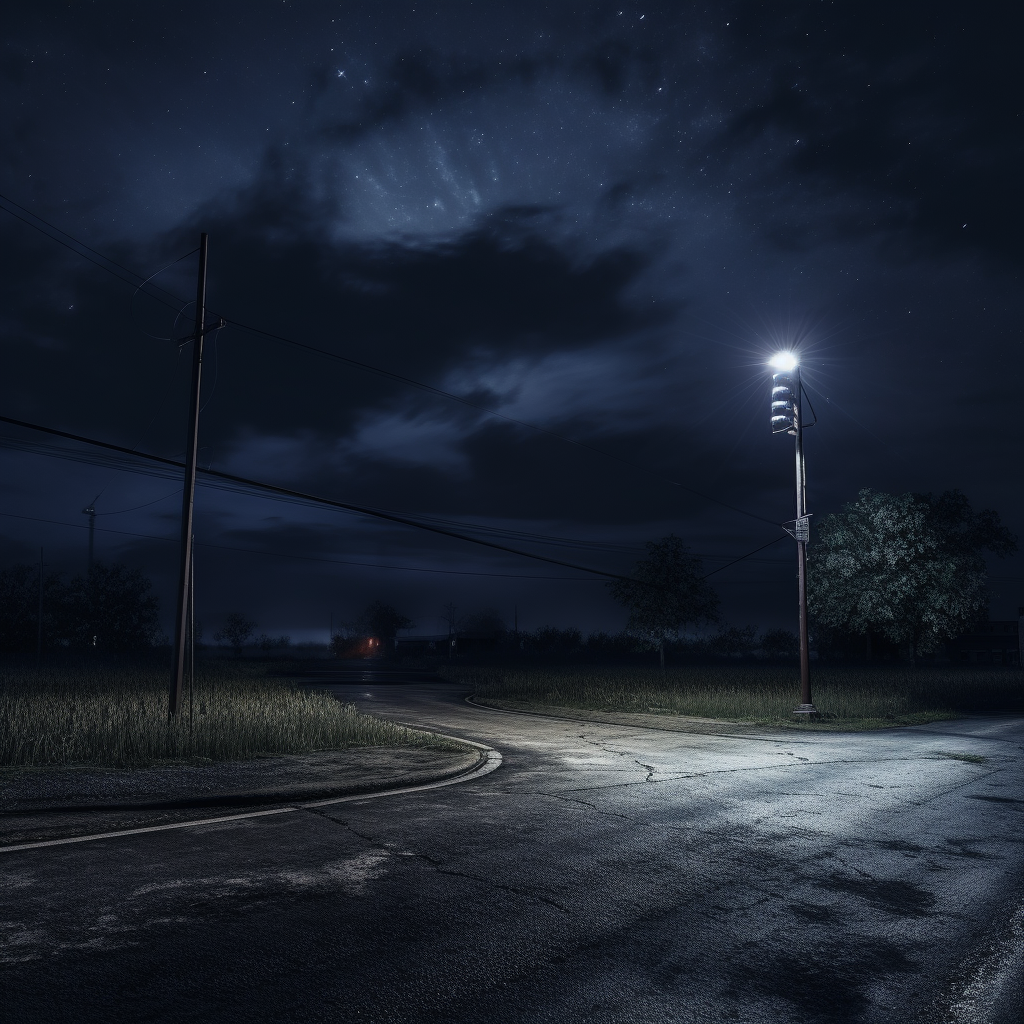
(603, 873)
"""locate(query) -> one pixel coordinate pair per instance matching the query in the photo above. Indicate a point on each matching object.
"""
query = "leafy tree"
(237, 631)
(382, 621)
(110, 609)
(666, 593)
(909, 567)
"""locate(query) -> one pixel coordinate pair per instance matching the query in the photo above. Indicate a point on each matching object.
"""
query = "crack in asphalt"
(438, 865)
(669, 776)
(585, 803)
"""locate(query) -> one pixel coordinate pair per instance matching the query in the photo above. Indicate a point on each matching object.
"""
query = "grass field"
(117, 716)
(848, 698)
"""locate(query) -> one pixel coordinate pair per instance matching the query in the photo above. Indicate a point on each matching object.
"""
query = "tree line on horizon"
(110, 608)
(905, 571)
(900, 572)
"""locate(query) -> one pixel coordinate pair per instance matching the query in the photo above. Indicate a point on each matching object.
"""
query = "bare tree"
(666, 594)
(237, 631)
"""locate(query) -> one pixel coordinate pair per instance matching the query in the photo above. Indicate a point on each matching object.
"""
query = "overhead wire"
(135, 508)
(131, 303)
(171, 471)
(367, 367)
(742, 558)
(403, 519)
(380, 371)
(363, 510)
(106, 265)
(306, 558)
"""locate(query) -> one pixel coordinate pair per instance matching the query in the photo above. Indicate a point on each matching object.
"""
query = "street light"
(786, 419)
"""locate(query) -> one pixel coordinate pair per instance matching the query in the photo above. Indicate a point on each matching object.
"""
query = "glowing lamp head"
(786, 362)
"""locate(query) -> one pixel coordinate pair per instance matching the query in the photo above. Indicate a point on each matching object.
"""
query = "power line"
(368, 367)
(742, 557)
(305, 558)
(343, 506)
(169, 469)
(106, 265)
(109, 463)
(393, 517)
(135, 508)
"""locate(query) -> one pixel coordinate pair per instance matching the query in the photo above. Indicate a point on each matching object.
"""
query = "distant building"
(989, 643)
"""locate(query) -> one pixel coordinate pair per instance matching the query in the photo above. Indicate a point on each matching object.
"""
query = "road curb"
(490, 760)
(250, 798)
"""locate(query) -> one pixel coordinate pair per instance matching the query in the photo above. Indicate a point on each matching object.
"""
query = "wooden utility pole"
(189, 489)
(449, 614)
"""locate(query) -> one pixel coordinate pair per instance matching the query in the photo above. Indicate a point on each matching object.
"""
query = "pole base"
(805, 709)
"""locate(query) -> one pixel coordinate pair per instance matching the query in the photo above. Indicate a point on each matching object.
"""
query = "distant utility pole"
(91, 513)
(786, 418)
(39, 638)
(449, 614)
(189, 490)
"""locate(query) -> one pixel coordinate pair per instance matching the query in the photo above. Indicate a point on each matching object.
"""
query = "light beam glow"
(785, 361)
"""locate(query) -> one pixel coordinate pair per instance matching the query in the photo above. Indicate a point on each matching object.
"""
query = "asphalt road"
(603, 873)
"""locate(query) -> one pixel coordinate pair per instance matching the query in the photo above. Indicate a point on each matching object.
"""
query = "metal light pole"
(786, 418)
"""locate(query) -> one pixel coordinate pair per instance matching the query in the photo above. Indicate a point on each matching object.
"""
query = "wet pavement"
(606, 872)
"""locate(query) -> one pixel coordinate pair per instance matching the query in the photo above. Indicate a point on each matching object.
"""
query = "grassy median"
(848, 698)
(117, 716)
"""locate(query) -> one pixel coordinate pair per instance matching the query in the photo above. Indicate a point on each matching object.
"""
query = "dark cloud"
(596, 223)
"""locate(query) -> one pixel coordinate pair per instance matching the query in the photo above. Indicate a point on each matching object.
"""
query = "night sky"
(599, 220)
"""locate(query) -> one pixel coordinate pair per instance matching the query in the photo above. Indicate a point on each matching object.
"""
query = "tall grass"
(117, 716)
(868, 697)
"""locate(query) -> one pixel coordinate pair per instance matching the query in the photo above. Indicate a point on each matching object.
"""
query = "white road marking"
(491, 760)
(139, 831)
